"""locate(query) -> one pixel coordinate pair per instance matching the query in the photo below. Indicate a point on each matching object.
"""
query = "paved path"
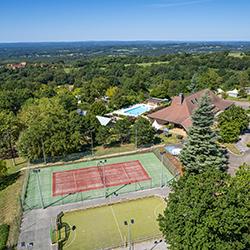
(243, 104)
(35, 226)
(237, 160)
(148, 245)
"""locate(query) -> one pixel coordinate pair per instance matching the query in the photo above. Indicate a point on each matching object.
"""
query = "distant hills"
(75, 50)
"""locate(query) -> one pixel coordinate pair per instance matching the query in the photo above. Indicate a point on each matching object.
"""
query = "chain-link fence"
(38, 194)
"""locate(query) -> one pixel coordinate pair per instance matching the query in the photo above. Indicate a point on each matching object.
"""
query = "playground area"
(119, 224)
(59, 185)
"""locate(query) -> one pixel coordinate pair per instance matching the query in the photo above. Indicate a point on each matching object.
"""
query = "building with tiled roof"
(181, 108)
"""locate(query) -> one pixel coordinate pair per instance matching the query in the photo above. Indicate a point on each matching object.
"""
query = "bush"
(180, 137)
(4, 233)
(248, 144)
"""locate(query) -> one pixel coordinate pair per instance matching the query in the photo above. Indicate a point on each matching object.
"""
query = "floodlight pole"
(135, 137)
(162, 154)
(92, 143)
(39, 186)
(101, 164)
(44, 155)
(129, 223)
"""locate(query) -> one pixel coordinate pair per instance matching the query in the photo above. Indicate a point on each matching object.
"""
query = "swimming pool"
(135, 110)
(138, 110)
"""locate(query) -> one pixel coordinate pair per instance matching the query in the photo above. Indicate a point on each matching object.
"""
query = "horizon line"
(130, 40)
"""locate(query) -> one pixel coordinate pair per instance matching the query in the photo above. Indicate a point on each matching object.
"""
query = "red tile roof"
(181, 108)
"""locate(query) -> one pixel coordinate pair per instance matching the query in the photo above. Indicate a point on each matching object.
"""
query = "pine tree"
(201, 151)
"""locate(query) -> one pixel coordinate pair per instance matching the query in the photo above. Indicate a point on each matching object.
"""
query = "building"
(155, 102)
(17, 65)
(180, 111)
(233, 93)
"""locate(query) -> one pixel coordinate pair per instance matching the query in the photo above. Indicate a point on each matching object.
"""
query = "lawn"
(100, 150)
(103, 227)
(171, 139)
(147, 64)
(10, 190)
(236, 54)
(158, 173)
(20, 163)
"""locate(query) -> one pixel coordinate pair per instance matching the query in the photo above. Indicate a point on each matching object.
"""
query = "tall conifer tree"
(201, 150)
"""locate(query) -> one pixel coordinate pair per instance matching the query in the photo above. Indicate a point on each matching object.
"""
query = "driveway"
(237, 160)
(243, 104)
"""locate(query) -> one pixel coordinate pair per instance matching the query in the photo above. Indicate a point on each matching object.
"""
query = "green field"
(103, 227)
(149, 161)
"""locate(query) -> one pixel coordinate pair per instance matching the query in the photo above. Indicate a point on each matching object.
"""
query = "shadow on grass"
(8, 180)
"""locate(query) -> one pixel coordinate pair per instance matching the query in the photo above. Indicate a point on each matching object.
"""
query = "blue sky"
(79, 20)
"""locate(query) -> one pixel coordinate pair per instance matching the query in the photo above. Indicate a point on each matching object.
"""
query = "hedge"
(4, 233)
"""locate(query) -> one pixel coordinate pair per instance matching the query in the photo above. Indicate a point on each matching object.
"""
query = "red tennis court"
(84, 179)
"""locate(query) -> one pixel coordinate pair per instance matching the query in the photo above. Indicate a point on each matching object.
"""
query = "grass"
(232, 148)
(20, 163)
(4, 232)
(148, 64)
(10, 189)
(103, 227)
(236, 54)
(100, 150)
(239, 99)
(172, 139)
(149, 161)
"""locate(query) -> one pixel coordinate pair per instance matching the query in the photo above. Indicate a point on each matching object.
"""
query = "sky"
(81, 20)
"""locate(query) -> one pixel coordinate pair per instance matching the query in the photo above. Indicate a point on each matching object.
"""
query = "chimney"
(181, 98)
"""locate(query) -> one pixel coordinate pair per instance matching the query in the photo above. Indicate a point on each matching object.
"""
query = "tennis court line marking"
(116, 221)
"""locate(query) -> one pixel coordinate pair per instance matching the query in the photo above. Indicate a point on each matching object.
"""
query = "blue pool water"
(136, 111)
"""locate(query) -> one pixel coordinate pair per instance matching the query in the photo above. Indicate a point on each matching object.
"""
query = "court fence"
(26, 174)
(170, 162)
(42, 200)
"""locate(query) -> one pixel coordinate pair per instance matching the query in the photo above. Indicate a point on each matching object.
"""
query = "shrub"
(180, 137)
(4, 233)
(248, 144)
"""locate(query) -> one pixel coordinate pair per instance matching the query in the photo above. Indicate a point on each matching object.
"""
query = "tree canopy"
(201, 150)
(232, 123)
(210, 210)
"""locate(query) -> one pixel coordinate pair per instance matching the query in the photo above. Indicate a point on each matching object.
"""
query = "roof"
(104, 121)
(156, 100)
(156, 125)
(235, 91)
(181, 108)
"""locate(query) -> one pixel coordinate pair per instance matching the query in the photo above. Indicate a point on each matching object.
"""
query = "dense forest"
(38, 103)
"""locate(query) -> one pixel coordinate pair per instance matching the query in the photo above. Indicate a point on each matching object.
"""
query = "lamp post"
(128, 224)
(162, 154)
(37, 171)
(156, 243)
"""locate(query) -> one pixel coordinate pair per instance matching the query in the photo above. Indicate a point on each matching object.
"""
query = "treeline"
(45, 96)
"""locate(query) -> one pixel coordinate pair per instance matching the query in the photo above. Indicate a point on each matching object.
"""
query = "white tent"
(176, 151)
(104, 121)
(156, 125)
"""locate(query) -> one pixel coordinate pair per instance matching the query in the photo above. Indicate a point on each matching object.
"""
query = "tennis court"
(72, 181)
(58, 185)
(110, 226)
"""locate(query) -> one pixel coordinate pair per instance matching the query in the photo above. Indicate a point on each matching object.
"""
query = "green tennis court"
(103, 227)
(36, 197)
